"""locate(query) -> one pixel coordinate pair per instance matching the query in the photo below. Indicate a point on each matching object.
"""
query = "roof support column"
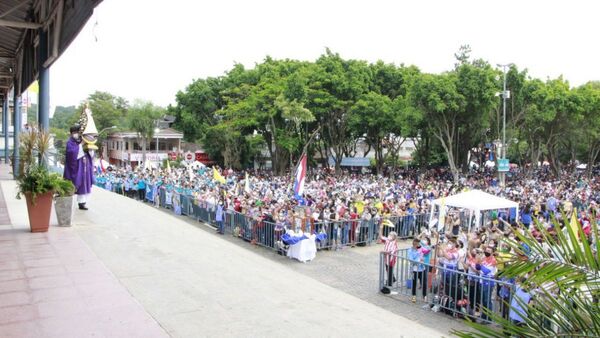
(16, 132)
(5, 125)
(44, 82)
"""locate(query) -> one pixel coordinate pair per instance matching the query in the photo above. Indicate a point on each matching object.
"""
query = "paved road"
(195, 283)
(353, 271)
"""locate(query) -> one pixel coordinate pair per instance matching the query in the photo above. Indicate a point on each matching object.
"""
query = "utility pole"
(505, 95)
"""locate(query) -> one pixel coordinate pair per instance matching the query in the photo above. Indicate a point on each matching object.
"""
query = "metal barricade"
(264, 234)
(185, 205)
(197, 211)
(176, 202)
(149, 194)
(162, 196)
(408, 226)
(445, 289)
(333, 234)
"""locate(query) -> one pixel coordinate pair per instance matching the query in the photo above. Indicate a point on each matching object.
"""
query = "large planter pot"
(39, 212)
(65, 209)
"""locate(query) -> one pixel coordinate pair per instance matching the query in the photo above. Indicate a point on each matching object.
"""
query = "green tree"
(590, 133)
(335, 84)
(373, 118)
(108, 110)
(196, 107)
(63, 117)
(270, 101)
(441, 104)
(456, 106)
(32, 114)
(142, 117)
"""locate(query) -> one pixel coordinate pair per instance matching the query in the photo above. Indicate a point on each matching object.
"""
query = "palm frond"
(562, 268)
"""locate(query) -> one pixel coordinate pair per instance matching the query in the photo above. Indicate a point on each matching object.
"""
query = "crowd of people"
(406, 193)
(355, 196)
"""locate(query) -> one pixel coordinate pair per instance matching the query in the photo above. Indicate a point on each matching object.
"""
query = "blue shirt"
(526, 218)
(517, 311)
(219, 214)
(551, 204)
(415, 255)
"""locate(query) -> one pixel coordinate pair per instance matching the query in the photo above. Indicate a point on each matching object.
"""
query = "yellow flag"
(574, 221)
(34, 88)
(168, 167)
(217, 176)
(442, 215)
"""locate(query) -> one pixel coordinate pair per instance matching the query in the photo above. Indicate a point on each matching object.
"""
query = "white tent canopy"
(475, 200)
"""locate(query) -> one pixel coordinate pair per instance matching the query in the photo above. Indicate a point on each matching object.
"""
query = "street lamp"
(505, 95)
(105, 129)
(156, 131)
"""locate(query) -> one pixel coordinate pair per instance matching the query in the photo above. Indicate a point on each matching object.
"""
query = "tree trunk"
(553, 157)
(448, 147)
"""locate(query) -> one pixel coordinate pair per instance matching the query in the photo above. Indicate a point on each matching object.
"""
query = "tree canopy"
(379, 105)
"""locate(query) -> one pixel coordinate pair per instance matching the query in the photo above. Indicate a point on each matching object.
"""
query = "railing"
(259, 231)
(444, 289)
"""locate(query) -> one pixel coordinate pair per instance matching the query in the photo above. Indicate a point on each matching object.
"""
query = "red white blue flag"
(300, 177)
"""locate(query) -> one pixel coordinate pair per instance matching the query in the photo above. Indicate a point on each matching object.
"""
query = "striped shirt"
(390, 248)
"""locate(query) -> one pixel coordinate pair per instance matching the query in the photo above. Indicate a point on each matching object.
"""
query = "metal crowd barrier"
(338, 234)
(453, 292)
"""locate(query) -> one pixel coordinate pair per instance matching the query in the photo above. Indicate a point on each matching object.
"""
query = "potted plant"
(35, 181)
(38, 185)
(64, 202)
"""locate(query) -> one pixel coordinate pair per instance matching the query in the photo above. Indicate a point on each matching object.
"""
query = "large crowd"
(404, 193)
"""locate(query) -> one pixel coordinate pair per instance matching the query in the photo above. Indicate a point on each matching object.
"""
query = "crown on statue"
(89, 133)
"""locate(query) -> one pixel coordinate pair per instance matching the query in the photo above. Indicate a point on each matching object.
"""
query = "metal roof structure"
(22, 22)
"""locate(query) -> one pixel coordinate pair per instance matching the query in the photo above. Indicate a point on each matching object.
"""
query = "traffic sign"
(503, 165)
(189, 156)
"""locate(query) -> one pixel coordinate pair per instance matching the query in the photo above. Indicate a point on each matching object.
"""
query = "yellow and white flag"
(217, 176)
(247, 184)
(442, 217)
(574, 226)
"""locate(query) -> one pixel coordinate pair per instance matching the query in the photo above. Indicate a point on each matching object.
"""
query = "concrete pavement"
(129, 270)
(196, 284)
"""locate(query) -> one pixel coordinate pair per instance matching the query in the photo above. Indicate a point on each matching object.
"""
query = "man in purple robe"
(79, 167)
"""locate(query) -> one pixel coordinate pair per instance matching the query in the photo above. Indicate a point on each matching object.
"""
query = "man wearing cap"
(79, 167)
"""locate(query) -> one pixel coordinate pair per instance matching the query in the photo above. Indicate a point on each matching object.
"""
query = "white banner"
(136, 157)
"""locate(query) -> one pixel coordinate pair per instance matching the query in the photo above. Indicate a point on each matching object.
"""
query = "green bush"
(37, 180)
(65, 188)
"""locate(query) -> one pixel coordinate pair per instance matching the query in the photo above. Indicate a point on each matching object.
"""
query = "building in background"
(125, 147)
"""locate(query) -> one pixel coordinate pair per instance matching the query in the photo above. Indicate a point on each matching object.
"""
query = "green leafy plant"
(34, 177)
(65, 188)
(562, 271)
(37, 180)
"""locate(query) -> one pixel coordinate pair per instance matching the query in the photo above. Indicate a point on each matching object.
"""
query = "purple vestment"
(79, 171)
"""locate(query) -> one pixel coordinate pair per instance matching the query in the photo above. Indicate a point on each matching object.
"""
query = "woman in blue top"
(526, 216)
(426, 250)
(415, 255)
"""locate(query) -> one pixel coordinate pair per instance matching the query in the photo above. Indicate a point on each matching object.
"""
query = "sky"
(150, 49)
